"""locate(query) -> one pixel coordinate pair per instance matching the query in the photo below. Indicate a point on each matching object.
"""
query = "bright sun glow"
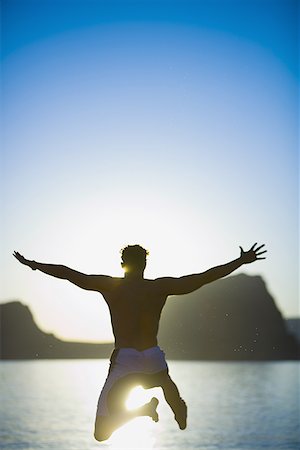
(137, 397)
(138, 433)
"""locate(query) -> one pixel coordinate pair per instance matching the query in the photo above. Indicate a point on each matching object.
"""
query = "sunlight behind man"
(137, 434)
(137, 397)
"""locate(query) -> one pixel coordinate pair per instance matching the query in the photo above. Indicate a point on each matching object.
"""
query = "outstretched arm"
(189, 283)
(91, 282)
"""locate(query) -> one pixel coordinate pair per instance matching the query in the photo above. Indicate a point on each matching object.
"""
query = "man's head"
(134, 258)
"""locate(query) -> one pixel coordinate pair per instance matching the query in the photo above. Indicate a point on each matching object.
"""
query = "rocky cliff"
(231, 319)
(22, 339)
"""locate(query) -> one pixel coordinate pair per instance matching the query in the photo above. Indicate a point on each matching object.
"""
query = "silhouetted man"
(135, 305)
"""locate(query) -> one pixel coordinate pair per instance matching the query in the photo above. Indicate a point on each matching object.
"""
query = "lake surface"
(50, 404)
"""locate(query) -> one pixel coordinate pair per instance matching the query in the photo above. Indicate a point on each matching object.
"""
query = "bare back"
(135, 309)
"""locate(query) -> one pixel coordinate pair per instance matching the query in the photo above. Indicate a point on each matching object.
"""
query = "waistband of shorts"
(132, 350)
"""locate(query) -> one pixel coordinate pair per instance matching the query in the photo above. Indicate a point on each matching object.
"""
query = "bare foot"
(150, 409)
(181, 415)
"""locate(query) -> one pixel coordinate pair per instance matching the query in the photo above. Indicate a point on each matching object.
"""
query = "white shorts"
(127, 361)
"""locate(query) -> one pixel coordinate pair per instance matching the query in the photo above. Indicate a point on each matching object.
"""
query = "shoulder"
(164, 284)
(112, 282)
(103, 282)
(155, 282)
(165, 280)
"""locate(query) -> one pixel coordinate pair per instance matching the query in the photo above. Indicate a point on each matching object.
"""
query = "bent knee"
(101, 433)
(100, 436)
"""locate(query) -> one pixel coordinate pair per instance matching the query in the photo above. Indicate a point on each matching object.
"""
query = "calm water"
(51, 405)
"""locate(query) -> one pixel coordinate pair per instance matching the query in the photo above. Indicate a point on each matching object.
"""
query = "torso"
(135, 309)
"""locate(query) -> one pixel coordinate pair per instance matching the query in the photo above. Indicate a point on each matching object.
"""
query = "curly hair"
(134, 255)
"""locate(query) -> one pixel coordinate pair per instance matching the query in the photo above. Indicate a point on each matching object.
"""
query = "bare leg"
(106, 425)
(118, 414)
(176, 403)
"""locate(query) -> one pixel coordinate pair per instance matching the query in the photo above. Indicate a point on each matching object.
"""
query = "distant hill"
(231, 319)
(22, 339)
(234, 318)
(293, 326)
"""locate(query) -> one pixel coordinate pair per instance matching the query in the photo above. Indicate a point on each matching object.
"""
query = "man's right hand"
(26, 262)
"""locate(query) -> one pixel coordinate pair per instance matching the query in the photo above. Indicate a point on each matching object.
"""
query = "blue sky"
(170, 124)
